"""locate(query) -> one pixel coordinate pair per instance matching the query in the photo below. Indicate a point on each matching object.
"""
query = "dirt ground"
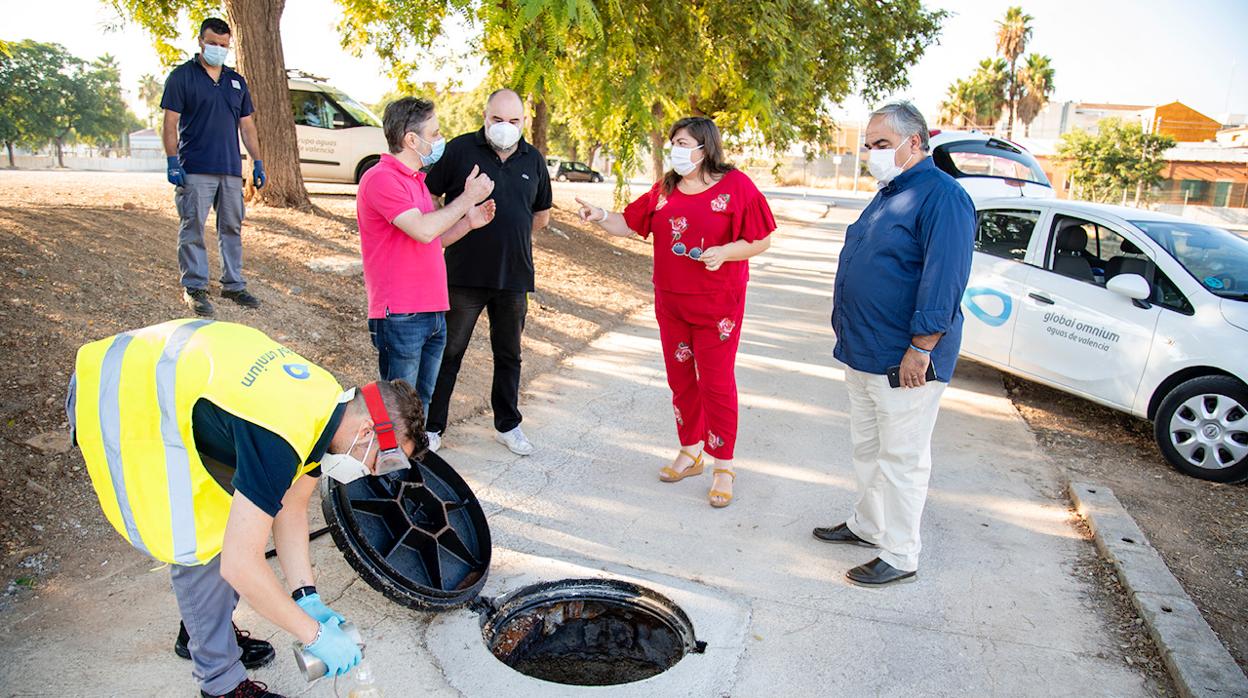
(1200, 528)
(86, 255)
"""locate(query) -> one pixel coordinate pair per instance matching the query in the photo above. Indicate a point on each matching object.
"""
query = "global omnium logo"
(985, 314)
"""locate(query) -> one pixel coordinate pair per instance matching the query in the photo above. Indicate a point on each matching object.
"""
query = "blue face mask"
(435, 153)
(215, 55)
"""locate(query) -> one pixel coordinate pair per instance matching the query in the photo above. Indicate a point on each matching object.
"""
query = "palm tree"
(958, 108)
(976, 102)
(1036, 79)
(1013, 32)
(150, 91)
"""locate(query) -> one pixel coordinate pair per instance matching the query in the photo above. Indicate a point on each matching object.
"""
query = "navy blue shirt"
(902, 272)
(499, 255)
(210, 110)
(249, 458)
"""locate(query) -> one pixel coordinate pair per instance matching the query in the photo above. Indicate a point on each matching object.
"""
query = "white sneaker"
(515, 441)
(435, 441)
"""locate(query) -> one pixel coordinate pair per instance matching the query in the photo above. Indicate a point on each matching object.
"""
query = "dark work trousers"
(506, 311)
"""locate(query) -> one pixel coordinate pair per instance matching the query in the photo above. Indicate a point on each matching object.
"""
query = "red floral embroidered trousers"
(700, 333)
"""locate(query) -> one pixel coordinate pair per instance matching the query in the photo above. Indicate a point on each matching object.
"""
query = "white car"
(1143, 312)
(339, 138)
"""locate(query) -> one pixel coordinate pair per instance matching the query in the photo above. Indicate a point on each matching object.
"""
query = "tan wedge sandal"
(719, 498)
(669, 474)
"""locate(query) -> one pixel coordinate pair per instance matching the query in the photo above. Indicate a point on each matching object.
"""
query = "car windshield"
(990, 158)
(357, 110)
(1217, 258)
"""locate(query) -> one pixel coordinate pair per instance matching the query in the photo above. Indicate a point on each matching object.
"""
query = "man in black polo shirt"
(206, 103)
(492, 269)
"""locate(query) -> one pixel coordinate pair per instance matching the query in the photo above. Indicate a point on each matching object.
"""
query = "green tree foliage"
(53, 97)
(618, 72)
(151, 89)
(1013, 33)
(1120, 157)
(977, 101)
(1035, 80)
(168, 22)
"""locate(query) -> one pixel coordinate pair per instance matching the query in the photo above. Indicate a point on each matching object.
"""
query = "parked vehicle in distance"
(1140, 311)
(339, 138)
(568, 171)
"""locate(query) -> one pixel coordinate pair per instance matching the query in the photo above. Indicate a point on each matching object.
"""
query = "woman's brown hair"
(704, 131)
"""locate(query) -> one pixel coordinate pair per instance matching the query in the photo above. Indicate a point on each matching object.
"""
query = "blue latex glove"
(334, 648)
(177, 175)
(257, 174)
(313, 606)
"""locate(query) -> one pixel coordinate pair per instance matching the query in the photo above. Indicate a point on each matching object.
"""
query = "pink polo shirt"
(401, 275)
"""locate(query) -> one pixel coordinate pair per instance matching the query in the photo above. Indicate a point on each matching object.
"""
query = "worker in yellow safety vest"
(204, 438)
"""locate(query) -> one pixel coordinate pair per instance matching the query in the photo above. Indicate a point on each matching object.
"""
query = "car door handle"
(1041, 298)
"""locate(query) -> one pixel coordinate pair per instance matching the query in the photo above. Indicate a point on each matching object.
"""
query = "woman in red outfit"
(706, 218)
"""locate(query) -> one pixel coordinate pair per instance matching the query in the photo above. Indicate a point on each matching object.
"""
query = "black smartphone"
(894, 375)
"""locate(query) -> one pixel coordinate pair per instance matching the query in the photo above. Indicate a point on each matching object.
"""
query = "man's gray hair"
(905, 120)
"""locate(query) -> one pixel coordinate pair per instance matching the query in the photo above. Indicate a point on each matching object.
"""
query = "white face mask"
(503, 135)
(882, 164)
(345, 467)
(682, 159)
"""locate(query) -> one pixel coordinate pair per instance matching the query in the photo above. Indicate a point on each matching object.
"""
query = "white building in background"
(146, 144)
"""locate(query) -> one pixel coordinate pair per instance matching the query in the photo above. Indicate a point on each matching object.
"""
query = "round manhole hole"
(589, 632)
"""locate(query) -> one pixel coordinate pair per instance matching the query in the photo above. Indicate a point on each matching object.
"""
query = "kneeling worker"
(203, 438)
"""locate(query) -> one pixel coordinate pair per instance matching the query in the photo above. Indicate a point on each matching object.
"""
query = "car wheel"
(1202, 428)
(562, 178)
(596, 179)
(365, 165)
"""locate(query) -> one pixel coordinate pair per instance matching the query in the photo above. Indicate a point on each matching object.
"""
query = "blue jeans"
(409, 347)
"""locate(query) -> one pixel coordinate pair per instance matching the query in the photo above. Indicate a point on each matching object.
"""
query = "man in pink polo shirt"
(402, 235)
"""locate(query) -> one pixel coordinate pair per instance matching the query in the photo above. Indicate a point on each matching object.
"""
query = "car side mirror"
(339, 121)
(1131, 286)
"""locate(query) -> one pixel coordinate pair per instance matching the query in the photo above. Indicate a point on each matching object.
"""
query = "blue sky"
(1136, 52)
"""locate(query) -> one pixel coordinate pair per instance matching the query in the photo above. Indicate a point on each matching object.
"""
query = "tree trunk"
(60, 155)
(541, 124)
(1009, 129)
(656, 144)
(593, 153)
(257, 32)
(9, 146)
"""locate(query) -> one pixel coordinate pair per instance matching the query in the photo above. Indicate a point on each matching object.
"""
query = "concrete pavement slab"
(996, 609)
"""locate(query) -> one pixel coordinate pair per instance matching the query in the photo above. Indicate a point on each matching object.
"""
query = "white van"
(339, 138)
(1143, 312)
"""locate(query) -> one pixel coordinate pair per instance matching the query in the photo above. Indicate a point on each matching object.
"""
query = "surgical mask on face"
(682, 159)
(345, 467)
(436, 148)
(215, 55)
(503, 135)
(882, 164)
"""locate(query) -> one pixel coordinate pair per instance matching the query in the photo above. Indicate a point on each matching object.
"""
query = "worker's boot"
(248, 689)
(256, 653)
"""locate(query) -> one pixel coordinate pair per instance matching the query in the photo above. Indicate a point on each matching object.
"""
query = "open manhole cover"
(589, 632)
(420, 537)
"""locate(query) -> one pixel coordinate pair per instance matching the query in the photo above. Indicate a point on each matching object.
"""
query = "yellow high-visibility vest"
(135, 393)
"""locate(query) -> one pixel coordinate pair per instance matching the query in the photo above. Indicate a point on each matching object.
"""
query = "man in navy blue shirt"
(896, 309)
(206, 103)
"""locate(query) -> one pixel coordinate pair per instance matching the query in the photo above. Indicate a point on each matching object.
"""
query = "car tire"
(1201, 427)
(596, 179)
(562, 178)
(365, 165)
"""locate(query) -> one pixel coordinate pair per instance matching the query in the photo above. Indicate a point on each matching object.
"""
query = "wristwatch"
(302, 592)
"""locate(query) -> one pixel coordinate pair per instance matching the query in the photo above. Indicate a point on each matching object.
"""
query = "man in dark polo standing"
(206, 104)
(492, 269)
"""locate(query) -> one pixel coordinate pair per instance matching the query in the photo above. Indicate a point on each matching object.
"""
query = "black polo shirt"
(209, 113)
(499, 255)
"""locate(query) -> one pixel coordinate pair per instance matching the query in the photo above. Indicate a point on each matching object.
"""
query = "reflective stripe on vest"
(110, 428)
(177, 460)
